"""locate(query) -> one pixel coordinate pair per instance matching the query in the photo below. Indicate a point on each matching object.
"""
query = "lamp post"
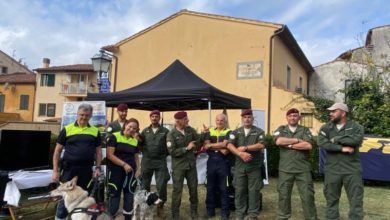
(101, 64)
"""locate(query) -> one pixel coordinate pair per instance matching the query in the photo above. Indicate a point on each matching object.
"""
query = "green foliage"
(321, 104)
(273, 157)
(368, 99)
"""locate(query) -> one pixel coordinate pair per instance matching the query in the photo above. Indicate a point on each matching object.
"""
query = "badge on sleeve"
(231, 136)
(261, 136)
(169, 144)
(323, 133)
(109, 129)
(277, 133)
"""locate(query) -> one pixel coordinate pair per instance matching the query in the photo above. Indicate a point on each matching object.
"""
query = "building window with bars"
(306, 120)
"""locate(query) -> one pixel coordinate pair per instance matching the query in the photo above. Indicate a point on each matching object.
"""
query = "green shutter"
(42, 110)
(2, 100)
(23, 102)
(51, 79)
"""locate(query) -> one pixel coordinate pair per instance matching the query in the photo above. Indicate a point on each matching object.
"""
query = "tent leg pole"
(209, 114)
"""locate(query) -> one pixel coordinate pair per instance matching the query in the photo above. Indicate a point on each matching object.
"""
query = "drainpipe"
(115, 80)
(270, 78)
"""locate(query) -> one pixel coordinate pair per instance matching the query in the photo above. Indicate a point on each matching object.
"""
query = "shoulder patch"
(231, 136)
(109, 129)
(261, 136)
(169, 144)
(277, 133)
(323, 133)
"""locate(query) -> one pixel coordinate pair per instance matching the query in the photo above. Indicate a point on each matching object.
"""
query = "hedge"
(273, 157)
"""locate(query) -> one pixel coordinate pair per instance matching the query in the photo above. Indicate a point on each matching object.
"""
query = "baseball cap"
(338, 105)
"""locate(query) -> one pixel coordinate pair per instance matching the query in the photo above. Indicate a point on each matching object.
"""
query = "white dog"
(146, 201)
(75, 198)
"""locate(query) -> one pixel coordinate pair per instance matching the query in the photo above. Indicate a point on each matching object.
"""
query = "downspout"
(270, 79)
(115, 80)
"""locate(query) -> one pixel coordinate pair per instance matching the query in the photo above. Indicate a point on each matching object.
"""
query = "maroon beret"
(246, 112)
(154, 112)
(122, 107)
(292, 110)
(180, 115)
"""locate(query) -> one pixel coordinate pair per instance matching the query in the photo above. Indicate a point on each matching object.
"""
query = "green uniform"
(294, 165)
(154, 159)
(183, 166)
(342, 168)
(114, 126)
(247, 177)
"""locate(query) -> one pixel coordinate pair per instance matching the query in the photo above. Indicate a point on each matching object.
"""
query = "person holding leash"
(124, 167)
(82, 144)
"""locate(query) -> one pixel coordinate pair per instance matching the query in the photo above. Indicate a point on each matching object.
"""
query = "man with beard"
(117, 125)
(341, 139)
(295, 144)
(154, 158)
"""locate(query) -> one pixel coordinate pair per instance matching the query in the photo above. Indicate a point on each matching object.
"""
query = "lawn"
(376, 203)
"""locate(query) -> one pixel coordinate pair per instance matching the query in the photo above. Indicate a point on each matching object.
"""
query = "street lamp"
(101, 64)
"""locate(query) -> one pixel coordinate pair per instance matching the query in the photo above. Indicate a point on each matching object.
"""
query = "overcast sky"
(72, 31)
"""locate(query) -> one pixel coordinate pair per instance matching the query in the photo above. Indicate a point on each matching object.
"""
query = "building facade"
(249, 58)
(17, 90)
(332, 77)
(59, 84)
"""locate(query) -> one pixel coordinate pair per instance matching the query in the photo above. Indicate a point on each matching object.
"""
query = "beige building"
(249, 58)
(59, 84)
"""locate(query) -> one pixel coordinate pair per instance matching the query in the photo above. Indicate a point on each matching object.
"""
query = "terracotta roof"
(67, 68)
(114, 47)
(18, 78)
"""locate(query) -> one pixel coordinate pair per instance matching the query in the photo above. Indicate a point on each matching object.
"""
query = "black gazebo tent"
(175, 88)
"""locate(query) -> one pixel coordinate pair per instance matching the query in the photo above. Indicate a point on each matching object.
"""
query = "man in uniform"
(154, 158)
(218, 167)
(341, 139)
(182, 143)
(117, 125)
(82, 144)
(247, 143)
(294, 142)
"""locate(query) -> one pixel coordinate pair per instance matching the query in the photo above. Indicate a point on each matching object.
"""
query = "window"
(42, 110)
(306, 120)
(2, 100)
(4, 70)
(300, 82)
(288, 76)
(23, 102)
(51, 110)
(48, 80)
(48, 109)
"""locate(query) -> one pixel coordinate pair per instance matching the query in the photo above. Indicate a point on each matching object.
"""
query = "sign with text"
(250, 70)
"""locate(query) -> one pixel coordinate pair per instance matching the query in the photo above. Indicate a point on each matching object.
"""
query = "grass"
(376, 204)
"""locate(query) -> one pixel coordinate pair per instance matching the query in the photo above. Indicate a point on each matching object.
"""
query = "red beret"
(292, 110)
(154, 112)
(246, 112)
(122, 107)
(180, 115)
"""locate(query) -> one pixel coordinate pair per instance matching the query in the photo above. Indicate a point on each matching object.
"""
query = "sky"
(72, 31)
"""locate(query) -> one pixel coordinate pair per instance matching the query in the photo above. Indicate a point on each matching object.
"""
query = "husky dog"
(146, 202)
(74, 197)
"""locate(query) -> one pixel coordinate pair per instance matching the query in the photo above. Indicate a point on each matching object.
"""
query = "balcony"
(76, 89)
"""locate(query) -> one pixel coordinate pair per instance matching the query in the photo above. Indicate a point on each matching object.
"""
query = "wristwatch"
(289, 146)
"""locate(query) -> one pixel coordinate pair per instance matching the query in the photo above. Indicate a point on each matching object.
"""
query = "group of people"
(237, 153)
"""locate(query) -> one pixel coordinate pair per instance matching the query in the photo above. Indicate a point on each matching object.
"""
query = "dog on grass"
(145, 201)
(75, 198)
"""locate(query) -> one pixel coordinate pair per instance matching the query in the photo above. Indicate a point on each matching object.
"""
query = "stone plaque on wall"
(250, 70)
